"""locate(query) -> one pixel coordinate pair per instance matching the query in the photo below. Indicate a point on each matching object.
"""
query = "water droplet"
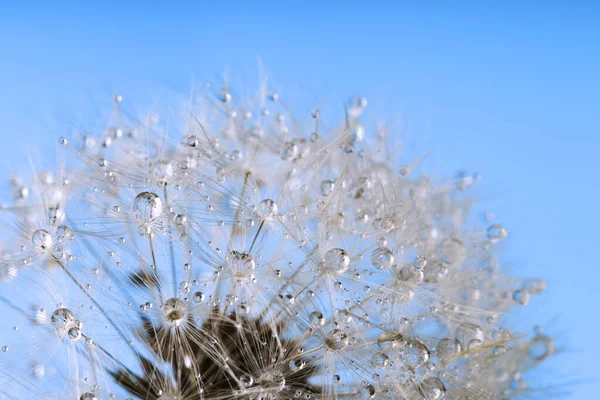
(521, 296)
(272, 380)
(88, 396)
(390, 340)
(316, 319)
(62, 320)
(336, 339)
(366, 392)
(432, 388)
(496, 233)
(266, 209)
(74, 333)
(467, 332)
(192, 141)
(242, 264)
(147, 206)
(540, 347)
(289, 151)
(41, 239)
(415, 353)
(180, 219)
(447, 347)
(198, 297)
(336, 261)
(382, 258)
(327, 187)
(174, 310)
(420, 262)
(224, 96)
(380, 360)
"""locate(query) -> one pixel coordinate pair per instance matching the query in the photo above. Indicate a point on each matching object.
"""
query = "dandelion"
(254, 258)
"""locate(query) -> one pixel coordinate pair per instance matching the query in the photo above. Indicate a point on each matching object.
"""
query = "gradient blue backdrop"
(510, 90)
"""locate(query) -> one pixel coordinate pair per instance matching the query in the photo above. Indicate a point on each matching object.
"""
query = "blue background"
(509, 90)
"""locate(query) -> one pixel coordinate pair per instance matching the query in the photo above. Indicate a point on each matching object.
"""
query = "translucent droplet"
(415, 353)
(420, 262)
(246, 380)
(467, 332)
(41, 239)
(336, 261)
(314, 136)
(366, 392)
(242, 263)
(289, 151)
(174, 309)
(432, 388)
(447, 347)
(411, 275)
(453, 251)
(180, 219)
(496, 233)
(62, 320)
(198, 297)
(336, 339)
(272, 380)
(147, 206)
(521, 296)
(316, 319)
(74, 333)
(540, 347)
(224, 96)
(382, 258)
(390, 339)
(192, 141)
(88, 396)
(266, 209)
(327, 187)
(64, 233)
(380, 360)
(405, 170)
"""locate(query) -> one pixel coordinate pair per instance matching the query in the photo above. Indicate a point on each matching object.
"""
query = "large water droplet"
(540, 347)
(336, 261)
(62, 320)
(432, 388)
(336, 339)
(41, 240)
(447, 347)
(467, 332)
(174, 309)
(327, 187)
(382, 258)
(415, 353)
(266, 209)
(316, 318)
(496, 233)
(147, 206)
(272, 380)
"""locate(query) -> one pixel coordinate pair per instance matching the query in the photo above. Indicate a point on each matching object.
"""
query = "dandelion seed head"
(247, 256)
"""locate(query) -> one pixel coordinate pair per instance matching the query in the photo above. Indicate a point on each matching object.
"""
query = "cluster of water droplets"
(258, 258)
